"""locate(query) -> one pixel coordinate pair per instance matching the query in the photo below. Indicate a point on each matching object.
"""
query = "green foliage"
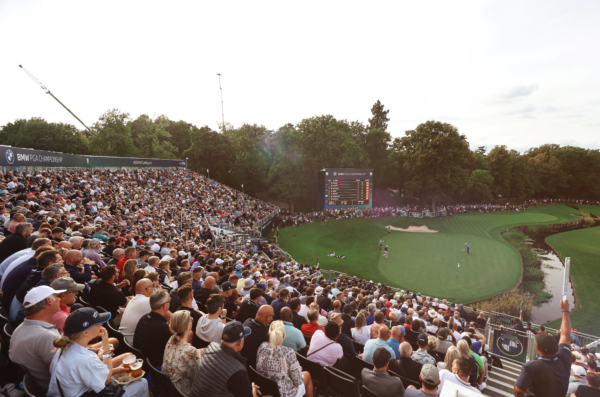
(210, 150)
(152, 138)
(111, 136)
(509, 303)
(436, 160)
(380, 120)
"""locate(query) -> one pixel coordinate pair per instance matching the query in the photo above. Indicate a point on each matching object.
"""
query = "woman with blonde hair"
(432, 346)
(279, 363)
(79, 370)
(451, 355)
(181, 359)
(465, 352)
(322, 321)
(444, 304)
(361, 331)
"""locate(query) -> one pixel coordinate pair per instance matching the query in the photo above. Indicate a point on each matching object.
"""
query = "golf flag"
(566, 278)
(457, 270)
(459, 265)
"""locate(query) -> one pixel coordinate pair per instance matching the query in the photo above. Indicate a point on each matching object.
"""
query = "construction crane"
(47, 91)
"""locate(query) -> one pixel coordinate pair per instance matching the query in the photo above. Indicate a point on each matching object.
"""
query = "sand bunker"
(414, 229)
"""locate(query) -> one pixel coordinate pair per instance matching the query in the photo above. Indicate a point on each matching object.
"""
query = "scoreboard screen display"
(345, 188)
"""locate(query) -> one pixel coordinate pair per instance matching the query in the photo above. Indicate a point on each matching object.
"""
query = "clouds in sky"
(515, 73)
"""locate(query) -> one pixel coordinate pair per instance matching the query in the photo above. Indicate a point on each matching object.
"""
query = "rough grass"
(509, 303)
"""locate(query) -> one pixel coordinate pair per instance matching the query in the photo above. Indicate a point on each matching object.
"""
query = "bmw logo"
(335, 173)
(10, 156)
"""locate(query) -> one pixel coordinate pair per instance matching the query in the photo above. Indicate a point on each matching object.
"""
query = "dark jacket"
(221, 373)
(13, 243)
(411, 368)
(324, 303)
(260, 334)
(15, 278)
(151, 336)
(348, 325)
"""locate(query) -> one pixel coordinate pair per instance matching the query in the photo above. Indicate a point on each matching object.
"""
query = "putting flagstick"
(566, 278)
(457, 270)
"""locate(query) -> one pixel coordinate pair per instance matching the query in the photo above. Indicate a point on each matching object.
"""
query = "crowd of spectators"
(96, 264)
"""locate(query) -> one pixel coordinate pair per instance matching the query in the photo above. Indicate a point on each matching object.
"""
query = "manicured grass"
(425, 262)
(583, 246)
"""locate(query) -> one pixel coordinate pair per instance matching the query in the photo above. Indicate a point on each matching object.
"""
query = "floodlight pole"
(222, 111)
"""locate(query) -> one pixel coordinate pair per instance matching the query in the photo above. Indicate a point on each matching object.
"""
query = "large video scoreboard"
(345, 188)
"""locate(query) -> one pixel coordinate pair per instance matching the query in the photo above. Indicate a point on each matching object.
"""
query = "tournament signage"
(510, 344)
(20, 157)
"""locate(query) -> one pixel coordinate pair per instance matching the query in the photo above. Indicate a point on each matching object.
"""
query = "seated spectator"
(80, 370)
(104, 293)
(479, 363)
(32, 342)
(348, 321)
(465, 352)
(430, 379)
(293, 336)
(591, 389)
(260, 333)
(152, 331)
(280, 302)
(67, 298)
(279, 363)
(378, 323)
(309, 329)
(92, 252)
(413, 332)
(343, 339)
(180, 358)
(443, 343)
(182, 279)
(433, 328)
(396, 338)
(136, 308)
(210, 326)
(297, 319)
(411, 368)
(380, 341)
(432, 346)
(378, 380)
(361, 331)
(249, 308)
(206, 291)
(186, 297)
(222, 369)
(459, 374)
(371, 318)
(579, 379)
(421, 355)
(323, 348)
(322, 321)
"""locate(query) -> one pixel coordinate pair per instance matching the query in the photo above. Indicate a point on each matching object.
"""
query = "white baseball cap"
(38, 294)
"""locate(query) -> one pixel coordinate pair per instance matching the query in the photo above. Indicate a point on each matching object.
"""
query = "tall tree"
(180, 132)
(376, 148)
(379, 121)
(499, 163)
(212, 151)
(436, 161)
(152, 138)
(111, 135)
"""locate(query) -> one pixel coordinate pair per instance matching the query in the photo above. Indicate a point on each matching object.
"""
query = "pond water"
(554, 269)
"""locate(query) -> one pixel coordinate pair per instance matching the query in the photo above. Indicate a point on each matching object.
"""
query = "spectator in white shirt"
(459, 374)
(136, 308)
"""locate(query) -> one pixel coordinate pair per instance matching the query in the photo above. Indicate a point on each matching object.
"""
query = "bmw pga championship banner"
(20, 157)
(510, 344)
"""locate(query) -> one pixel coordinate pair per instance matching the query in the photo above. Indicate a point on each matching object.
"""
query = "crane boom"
(47, 91)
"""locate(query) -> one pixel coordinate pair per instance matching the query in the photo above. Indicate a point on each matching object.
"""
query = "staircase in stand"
(501, 381)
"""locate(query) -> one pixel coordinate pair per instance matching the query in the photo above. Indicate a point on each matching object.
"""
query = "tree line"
(431, 164)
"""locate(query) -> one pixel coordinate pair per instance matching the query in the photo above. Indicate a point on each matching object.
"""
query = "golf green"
(424, 262)
(583, 246)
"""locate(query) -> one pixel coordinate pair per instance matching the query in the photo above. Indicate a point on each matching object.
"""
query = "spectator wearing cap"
(323, 348)
(222, 369)
(396, 338)
(381, 341)
(242, 281)
(421, 355)
(430, 380)
(99, 234)
(80, 370)
(248, 284)
(238, 268)
(281, 301)
(226, 290)
(458, 374)
(152, 331)
(579, 374)
(249, 308)
(66, 298)
(110, 247)
(344, 340)
(93, 255)
(592, 387)
(293, 336)
(297, 319)
(210, 326)
(143, 259)
(549, 374)
(260, 333)
(443, 343)
(32, 342)
(378, 379)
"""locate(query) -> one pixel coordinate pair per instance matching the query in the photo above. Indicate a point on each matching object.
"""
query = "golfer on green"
(467, 248)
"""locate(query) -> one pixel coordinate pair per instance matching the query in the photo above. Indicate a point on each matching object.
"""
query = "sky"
(512, 73)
